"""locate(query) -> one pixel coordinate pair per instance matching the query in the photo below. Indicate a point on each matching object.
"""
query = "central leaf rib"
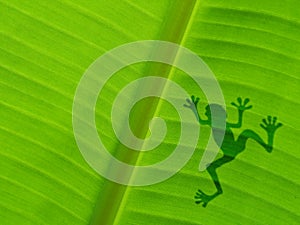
(113, 197)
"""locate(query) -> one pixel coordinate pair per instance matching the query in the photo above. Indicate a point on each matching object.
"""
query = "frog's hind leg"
(203, 198)
(211, 169)
(248, 134)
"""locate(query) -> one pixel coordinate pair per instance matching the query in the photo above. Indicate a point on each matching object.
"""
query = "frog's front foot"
(192, 102)
(241, 104)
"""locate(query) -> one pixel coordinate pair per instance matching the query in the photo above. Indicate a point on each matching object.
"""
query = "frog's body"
(231, 147)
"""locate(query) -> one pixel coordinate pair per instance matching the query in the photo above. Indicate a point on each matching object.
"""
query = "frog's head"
(219, 113)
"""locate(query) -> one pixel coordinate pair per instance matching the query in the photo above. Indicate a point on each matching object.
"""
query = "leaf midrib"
(113, 197)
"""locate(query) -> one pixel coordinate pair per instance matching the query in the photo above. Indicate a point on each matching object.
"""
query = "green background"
(253, 47)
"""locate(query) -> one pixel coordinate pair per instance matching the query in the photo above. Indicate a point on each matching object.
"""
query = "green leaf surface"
(252, 47)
